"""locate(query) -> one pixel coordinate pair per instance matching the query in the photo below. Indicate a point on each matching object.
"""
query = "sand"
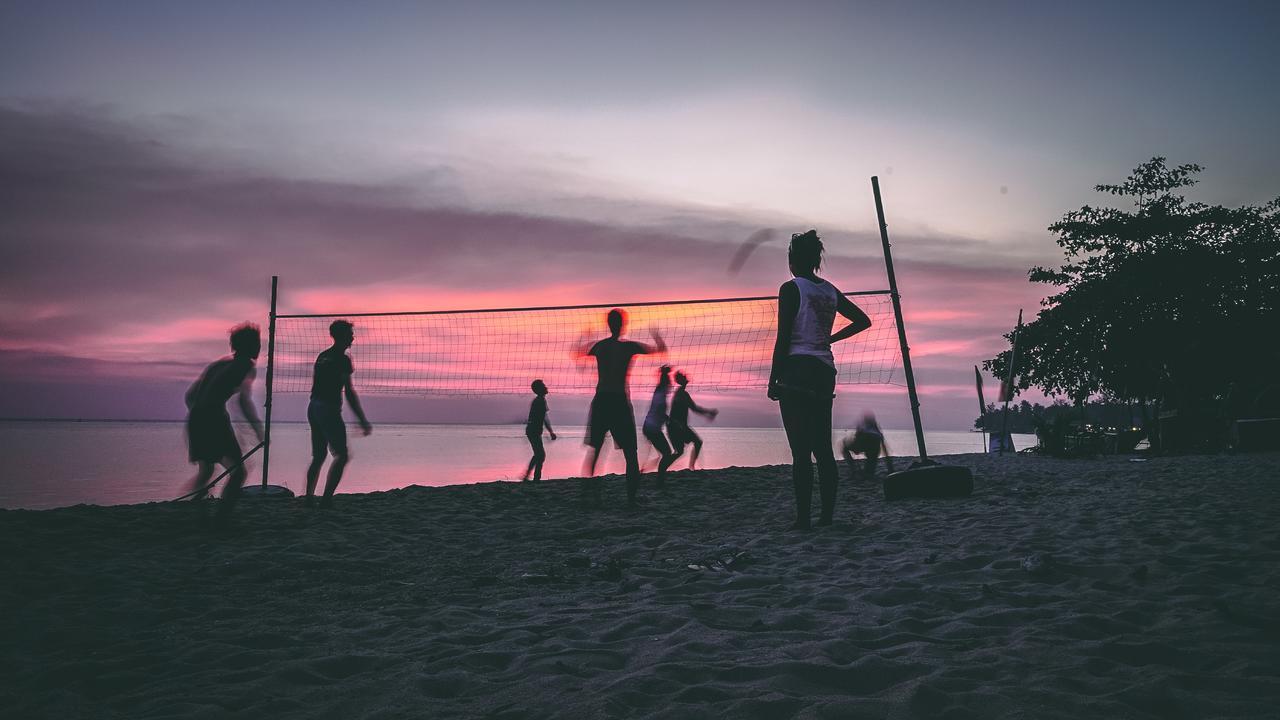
(1061, 589)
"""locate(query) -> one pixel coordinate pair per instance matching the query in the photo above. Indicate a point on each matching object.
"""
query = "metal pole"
(902, 328)
(271, 366)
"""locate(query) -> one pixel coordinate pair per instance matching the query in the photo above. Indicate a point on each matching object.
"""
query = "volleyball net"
(721, 344)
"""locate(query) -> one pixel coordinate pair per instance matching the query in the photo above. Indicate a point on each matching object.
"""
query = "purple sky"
(158, 163)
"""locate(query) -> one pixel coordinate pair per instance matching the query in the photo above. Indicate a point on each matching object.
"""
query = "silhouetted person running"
(867, 439)
(678, 425)
(210, 438)
(332, 377)
(533, 430)
(611, 411)
(804, 371)
(654, 422)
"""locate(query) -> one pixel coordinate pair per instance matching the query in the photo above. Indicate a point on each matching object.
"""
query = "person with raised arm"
(803, 375)
(611, 412)
(211, 439)
(330, 381)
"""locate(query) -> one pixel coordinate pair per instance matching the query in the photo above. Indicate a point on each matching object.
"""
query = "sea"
(50, 464)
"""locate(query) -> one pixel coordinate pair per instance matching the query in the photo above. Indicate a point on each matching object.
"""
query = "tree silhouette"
(1173, 301)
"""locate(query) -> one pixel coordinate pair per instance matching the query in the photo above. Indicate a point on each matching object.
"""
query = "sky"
(159, 162)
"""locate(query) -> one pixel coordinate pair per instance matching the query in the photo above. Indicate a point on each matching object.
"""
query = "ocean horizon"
(58, 463)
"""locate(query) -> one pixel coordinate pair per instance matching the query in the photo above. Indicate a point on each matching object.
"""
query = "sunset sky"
(160, 161)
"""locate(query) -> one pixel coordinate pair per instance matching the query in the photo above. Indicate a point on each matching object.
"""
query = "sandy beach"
(1061, 589)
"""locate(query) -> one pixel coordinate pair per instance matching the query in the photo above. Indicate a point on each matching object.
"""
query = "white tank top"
(811, 333)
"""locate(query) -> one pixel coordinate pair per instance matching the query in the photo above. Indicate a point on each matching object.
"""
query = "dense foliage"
(1172, 301)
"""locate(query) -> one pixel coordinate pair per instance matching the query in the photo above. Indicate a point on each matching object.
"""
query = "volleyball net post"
(901, 326)
(722, 344)
(271, 358)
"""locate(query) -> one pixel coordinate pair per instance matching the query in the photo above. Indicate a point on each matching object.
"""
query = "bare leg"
(665, 463)
(850, 462)
(796, 419)
(313, 477)
(204, 472)
(825, 458)
(231, 493)
(334, 477)
(633, 474)
(693, 456)
(590, 483)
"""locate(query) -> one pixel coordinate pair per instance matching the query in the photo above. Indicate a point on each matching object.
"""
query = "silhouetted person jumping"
(654, 422)
(611, 411)
(804, 371)
(867, 439)
(533, 430)
(333, 370)
(678, 426)
(210, 438)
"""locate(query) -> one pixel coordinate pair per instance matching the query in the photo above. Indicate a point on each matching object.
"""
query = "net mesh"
(722, 345)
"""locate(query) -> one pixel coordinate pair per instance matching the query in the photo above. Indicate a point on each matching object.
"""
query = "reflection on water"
(53, 464)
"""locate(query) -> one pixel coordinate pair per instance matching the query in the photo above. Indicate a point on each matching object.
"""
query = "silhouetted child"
(533, 430)
(867, 439)
(331, 379)
(678, 425)
(210, 438)
(656, 419)
(611, 412)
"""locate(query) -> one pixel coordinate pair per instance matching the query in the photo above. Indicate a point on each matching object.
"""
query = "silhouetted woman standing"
(803, 377)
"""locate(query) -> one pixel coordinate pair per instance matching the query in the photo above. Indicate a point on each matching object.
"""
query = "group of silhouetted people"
(802, 380)
(612, 415)
(211, 440)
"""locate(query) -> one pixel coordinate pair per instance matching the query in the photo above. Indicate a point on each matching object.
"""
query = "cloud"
(128, 256)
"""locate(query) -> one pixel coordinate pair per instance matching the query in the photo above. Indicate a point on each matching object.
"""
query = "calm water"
(54, 464)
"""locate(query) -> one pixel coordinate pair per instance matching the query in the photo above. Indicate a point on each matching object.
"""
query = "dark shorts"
(535, 440)
(328, 432)
(210, 437)
(681, 435)
(611, 414)
(654, 435)
(806, 408)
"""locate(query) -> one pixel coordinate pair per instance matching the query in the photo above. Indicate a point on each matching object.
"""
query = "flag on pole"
(982, 408)
(982, 403)
(1006, 387)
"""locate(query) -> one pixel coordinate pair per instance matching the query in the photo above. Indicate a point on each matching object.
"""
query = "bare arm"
(246, 405)
(659, 346)
(354, 401)
(858, 320)
(704, 412)
(788, 305)
(546, 420)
